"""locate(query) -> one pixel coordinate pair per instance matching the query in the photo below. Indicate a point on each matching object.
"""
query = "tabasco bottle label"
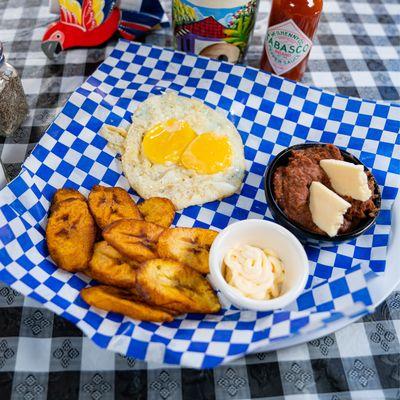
(286, 46)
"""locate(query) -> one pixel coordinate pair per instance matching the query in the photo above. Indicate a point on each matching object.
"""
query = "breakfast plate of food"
(187, 211)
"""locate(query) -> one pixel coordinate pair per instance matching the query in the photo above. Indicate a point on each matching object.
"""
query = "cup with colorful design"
(217, 29)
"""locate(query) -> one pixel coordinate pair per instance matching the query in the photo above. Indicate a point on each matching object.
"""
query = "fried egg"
(183, 150)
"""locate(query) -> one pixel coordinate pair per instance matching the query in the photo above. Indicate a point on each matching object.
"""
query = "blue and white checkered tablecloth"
(165, 383)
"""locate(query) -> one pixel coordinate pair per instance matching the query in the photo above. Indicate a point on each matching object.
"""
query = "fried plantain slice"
(135, 239)
(65, 194)
(109, 204)
(136, 296)
(158, 210)
(133, 293)
(120, 301)
(175, 286)
(87, 273)
(108, 266)
(190, 246)
(70, 234)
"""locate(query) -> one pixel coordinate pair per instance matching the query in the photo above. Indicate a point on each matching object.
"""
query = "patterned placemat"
(42, 356)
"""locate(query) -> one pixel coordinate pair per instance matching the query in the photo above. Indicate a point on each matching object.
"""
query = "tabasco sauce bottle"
(292, 24)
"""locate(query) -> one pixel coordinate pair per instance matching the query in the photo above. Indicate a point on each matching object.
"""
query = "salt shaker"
(13, 105)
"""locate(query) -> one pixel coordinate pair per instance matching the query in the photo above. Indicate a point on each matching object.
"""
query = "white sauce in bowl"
(256, 273)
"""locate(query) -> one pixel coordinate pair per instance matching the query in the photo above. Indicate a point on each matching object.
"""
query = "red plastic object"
(81, 25)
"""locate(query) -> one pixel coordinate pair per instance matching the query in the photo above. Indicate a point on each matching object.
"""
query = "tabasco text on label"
(289, 36)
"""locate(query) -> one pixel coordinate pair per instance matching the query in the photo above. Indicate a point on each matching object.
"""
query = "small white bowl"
(267, 235)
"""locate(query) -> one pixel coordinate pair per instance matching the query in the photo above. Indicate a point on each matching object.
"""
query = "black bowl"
(302, 233)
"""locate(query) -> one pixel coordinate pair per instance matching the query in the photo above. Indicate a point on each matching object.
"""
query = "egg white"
(184, 187)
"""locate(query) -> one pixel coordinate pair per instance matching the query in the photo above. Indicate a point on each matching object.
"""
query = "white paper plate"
(380, 289)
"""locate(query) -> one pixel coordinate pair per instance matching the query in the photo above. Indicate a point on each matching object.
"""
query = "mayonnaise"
(254, 272)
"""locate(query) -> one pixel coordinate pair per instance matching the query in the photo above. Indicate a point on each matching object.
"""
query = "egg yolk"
(176, 142)
(165, 142)
(208, 154)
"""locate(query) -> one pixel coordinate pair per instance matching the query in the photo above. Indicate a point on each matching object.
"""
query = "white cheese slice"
(327, 208)
(347, 179)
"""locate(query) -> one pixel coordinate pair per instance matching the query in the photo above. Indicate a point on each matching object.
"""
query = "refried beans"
(291, 188)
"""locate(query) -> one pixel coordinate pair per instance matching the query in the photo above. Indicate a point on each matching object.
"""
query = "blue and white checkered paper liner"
(270, 113)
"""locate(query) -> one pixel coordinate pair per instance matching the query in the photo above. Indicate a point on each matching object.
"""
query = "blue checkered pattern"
(270, 113)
